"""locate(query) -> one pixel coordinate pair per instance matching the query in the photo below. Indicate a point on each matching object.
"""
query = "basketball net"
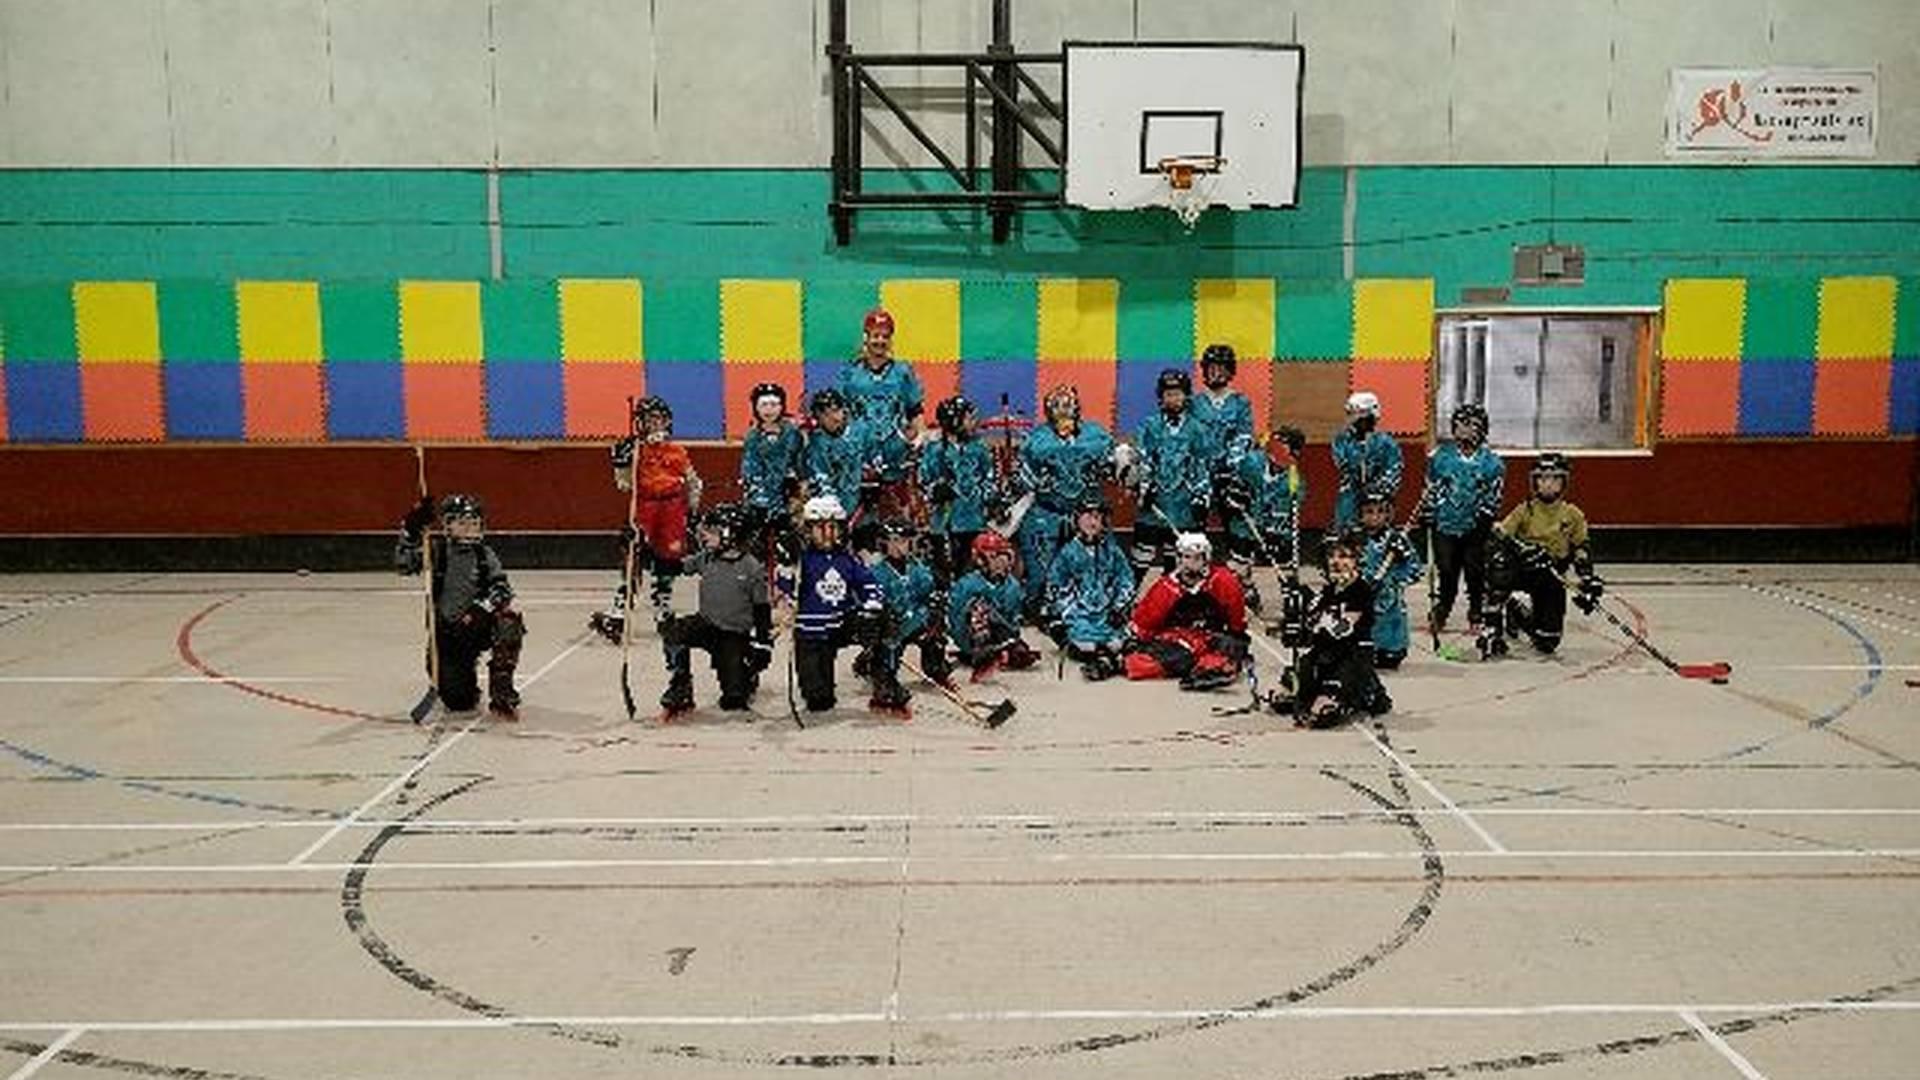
(1186, 197)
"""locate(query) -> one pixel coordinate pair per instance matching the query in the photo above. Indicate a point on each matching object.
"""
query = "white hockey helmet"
(1363, 403)
(823, 508)
(1193, 543)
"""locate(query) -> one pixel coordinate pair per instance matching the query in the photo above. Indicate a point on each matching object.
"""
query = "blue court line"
(82, 772)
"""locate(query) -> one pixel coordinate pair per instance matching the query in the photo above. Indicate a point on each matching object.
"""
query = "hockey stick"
(996, 714)
(1714, 671)
(425, 705)
(627, 585)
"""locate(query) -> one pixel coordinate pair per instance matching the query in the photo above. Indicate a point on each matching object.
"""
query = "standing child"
(1191, 624)
(1175, 481)
(1527, 555)
(959, 477)
(834, 461)
(669, 490)
(1225, 412)
(984, 612)
(734, 624)
(1059, 462)
(472, 605)
(1462, 497)
(1090, 592)
(770, 465)
(1367, 459)
(1389, 564)
(914, 602)
(839, 604)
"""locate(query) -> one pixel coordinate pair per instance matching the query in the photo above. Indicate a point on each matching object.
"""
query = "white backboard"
(1131, 104)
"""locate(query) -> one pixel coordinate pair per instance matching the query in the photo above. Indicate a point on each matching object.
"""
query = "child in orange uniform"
(668, 492)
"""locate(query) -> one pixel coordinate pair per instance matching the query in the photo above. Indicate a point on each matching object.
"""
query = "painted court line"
(1712, 1038)
(185, 680)
(1380, 746)
(52, 1051)
(1050, 858)
(386, 792)
(830, 1019)
(1438, 795)
(1169, 817)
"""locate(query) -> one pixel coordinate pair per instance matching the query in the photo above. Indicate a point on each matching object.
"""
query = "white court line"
(1296, 1012)
(553, 663)
(1171, 817)
(41, 1059)
(199, 680)
(1047, 858)
(1712, 1038)
(1380, 746)
(384, 793)
(399, 781)
(1438, 795)
(1830, 667)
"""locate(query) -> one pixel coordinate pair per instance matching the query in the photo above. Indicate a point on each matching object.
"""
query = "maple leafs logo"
(1727, 106)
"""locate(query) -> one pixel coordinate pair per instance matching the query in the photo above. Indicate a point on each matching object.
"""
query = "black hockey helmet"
(650, 406)
(826, 399)
(952, 413)
(1472, 414)
(768, 389)
(728, 519)
(898, 528)
(1220, 354)
(461, 506)
(1352, 541)
(1172, 379)
(1552, 463)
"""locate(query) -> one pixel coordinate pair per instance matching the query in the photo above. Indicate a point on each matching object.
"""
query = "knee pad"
(509, 628)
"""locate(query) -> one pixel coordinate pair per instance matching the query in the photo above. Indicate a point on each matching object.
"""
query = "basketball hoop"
(1186, 199)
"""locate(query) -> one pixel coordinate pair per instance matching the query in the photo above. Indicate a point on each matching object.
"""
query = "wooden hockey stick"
(425, 705)
(995, 714)
(627, 586)
(1713, 671)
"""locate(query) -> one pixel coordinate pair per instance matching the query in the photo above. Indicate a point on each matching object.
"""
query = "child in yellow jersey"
(1531, 550)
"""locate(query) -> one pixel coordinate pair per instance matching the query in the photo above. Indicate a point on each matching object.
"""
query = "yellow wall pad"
(440, 322)
(1704, 319)
(760, 319)
(1234, 311)
(1079, 319)
(1393, 319)
(1856, 318)
(600, 319)
(279, 321)
(117, 321)
(926, 318)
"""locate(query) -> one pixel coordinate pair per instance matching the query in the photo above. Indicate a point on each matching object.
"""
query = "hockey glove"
(759, 655)
(418, 519)
(943, 491)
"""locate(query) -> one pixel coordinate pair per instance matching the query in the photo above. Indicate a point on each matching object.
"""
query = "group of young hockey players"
(857, 529)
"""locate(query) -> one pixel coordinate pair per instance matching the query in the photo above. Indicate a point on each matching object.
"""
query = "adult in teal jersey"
(884, 397)
(1059, 463)
(1225, 412)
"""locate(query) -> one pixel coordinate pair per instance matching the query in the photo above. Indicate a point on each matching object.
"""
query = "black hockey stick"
(995, 714)
(1713, 671)
(425, 705)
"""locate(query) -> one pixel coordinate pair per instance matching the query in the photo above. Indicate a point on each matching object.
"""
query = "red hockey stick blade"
(1717, 671)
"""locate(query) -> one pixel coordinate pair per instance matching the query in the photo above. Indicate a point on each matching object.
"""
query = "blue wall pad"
(364, 401)
(526, 401)
(1776, 397)
(43, 403)
(694, 390)
(204, 401)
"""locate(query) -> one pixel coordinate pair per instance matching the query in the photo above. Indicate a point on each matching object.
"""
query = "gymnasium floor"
(225, 852)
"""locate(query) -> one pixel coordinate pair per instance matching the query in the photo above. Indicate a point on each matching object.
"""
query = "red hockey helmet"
(991, 543)
(879, 319)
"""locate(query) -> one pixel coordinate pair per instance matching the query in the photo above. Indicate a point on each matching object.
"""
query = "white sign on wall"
(1772, 112)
